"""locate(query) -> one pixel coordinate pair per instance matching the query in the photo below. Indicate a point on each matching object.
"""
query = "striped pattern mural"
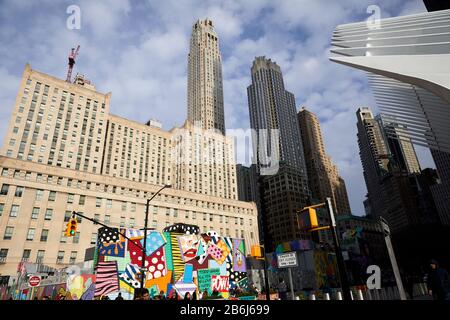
(107, 280)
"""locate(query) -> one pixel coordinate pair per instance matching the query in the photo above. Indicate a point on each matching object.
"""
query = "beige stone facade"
(37, 198)
(205, 87)
(63, 144)
(323, 176)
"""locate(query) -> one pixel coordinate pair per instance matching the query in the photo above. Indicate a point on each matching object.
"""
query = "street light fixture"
(145, 234)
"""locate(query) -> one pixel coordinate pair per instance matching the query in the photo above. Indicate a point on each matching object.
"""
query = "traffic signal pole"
(106, 226)
(340, 260)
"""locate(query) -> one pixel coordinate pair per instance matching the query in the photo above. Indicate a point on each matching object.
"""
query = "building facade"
(400, 147)
(323, 176)
(281, 175)
(272, 110)
(37, 200)
(374, 157)
(67, 152)
(205, 87)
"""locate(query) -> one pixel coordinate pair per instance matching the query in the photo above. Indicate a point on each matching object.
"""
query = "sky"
(138, 51)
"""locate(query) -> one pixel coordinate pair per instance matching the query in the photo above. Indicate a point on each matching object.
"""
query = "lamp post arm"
(104, 225)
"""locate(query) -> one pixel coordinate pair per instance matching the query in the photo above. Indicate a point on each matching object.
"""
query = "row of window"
(31, 233)
(39, 256)
(122, 191)
(99, 202)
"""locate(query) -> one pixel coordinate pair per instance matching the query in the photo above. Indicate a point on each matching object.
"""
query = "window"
(44, 235)
(5, 172)
(30, 234)
(82, 200)
(19, 192)
(96, 217)
(63, 238)
(242, 234)
(98, 202)
(8, 233)
(108, 203)
(131, 222)
(4, 190)
(52, 196)
(2, 206)
(40, 256)
(3, 254)
(122, 222)
(124, 206)
(154, 224)
(155, 210)
(14, 211)
(186, 215)
(60, 258)
(76, 238)
(28, 175)
(107, 219)
(175, 213)
(133, 207)
(26, 255)
(39, 195)
(48, 214)
(167, 212)
(94, 238)
(35, 213)
(67, 215)
(73, 257)
(70, 198)
(242, 221)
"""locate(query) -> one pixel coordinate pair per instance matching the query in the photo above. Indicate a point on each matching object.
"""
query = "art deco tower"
(205, 88)
(323, 176)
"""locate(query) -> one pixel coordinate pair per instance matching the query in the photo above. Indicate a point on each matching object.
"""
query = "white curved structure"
(408, 61)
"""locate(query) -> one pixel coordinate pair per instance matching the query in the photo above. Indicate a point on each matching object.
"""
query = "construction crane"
(72, 56)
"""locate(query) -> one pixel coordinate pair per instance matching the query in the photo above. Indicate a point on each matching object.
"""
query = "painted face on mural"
(188, 246)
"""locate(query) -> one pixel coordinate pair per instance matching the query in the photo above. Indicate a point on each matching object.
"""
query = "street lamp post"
(145, 235)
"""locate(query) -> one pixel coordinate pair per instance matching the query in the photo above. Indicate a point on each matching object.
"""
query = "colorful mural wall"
(178, 259)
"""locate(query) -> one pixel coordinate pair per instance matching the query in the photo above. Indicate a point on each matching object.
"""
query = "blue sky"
(138, 51)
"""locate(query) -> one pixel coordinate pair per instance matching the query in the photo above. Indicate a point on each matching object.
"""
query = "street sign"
(34, 281)
(287, 260)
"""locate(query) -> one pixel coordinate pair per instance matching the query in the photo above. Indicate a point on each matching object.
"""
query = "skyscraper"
(323, 176)
(271, 107)
(280, 164)
(205, 88)
(401, 147)
(374, 157)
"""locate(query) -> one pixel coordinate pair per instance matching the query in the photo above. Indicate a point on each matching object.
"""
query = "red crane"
(72, 56)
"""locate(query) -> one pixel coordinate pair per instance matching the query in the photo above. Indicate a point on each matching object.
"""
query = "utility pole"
(387, 239)
(340, 260)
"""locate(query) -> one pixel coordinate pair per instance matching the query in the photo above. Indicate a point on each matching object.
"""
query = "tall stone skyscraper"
(323, 176)
(280, 164)
(272, 107)
(205, 87)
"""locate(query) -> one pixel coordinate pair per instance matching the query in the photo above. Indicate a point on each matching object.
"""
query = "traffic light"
(71, 228)
(307, 219)
(256, 251)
